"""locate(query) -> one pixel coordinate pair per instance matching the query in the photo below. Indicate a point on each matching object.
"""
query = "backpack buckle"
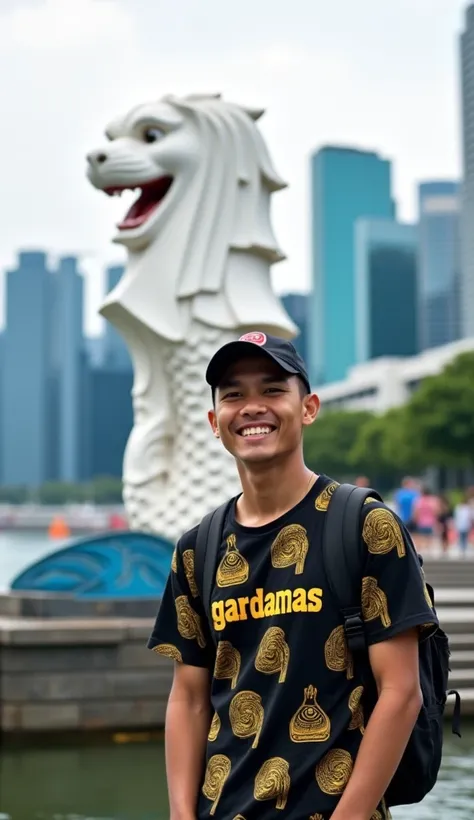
(355, 632)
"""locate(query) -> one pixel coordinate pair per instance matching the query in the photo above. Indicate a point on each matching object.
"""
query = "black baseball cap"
(279, 350)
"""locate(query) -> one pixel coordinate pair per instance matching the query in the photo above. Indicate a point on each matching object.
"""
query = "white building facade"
(383, 383)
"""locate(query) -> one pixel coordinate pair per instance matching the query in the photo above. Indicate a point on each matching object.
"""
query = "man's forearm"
(381, 750)
(187, 727)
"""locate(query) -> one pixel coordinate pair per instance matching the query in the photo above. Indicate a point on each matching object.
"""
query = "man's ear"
(311, 406)
(213, 422)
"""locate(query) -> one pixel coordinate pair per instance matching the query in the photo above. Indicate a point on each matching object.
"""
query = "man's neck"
(271, 491)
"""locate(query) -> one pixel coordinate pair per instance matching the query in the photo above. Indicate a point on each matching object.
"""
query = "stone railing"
(68, 665)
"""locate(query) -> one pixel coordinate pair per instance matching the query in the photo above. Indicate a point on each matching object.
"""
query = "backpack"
(343, 558)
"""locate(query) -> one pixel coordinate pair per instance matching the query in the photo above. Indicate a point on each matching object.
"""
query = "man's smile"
(256, 430)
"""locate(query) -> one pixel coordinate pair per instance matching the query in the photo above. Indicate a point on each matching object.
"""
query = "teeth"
(256, 431)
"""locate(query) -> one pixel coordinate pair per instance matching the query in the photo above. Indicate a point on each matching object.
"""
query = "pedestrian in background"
(463, 521)
(426, 510)
(405, 499)
(444, 520)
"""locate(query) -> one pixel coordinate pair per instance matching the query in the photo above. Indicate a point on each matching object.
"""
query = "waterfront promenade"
(68, 665)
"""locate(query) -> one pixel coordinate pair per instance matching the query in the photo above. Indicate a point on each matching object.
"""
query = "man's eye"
(273, 390)
(231, 395)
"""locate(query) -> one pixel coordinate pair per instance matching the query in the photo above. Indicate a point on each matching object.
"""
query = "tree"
(105, 490)
(440, 415)
(385, 448)
(329, 441)
(58, 492)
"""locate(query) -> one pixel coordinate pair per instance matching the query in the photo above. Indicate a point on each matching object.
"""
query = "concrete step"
(454, 596)
(442, 568)
(460, 678)
(461, 641)
(455, 619)
(462, 659)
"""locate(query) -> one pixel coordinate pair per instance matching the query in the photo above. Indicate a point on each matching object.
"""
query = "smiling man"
(266, 708)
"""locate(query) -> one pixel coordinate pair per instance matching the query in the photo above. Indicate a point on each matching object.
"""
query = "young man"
(265, 711)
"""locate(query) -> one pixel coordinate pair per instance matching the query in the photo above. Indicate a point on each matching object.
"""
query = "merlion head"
(200, 155)
(200, 231)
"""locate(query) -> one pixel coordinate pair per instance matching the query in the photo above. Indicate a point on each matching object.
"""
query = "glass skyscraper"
(346, 184)
(70, 359)
(386, 289)
(28, 386)
(296, 305)
(467, 213)
(439, 263)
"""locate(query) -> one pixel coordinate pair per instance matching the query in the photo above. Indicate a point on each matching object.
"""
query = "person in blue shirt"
(405, 499)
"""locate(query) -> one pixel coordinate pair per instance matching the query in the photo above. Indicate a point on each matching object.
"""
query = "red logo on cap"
(256, 337)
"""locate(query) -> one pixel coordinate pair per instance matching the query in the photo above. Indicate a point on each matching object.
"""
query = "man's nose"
(254, 407)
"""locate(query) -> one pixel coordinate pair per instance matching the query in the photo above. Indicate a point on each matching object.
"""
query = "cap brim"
(230, 353)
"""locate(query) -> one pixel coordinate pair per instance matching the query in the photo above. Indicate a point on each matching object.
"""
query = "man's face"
(259, 410)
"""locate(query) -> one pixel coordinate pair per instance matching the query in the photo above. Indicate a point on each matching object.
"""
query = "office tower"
(467, 211)
(438, 263)
(69, 360)
(27, 384)
(386, 289)
(111, 419)
(346, 184)
(117, 356)
(296, 305)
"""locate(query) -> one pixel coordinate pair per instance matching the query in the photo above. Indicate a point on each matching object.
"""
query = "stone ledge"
(72, 631)
(93, 715)
(49, 605)
(77, 657)
(83, 686)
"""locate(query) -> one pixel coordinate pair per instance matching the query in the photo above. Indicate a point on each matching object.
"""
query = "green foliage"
(440, 415)
(329, 441)
(105, 490)
(14, 495)
(102, 490)
(435, 428)
(57, 492)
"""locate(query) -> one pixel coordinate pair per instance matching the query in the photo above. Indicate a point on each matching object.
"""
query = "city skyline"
(265, 56)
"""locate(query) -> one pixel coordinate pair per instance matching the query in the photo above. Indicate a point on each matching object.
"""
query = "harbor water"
(126, 781)
(124, 778)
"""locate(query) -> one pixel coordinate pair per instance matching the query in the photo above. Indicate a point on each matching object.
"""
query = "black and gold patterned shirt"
(287, 698)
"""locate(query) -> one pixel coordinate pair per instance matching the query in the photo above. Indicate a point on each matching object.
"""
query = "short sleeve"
(395, 597)
(181, 631)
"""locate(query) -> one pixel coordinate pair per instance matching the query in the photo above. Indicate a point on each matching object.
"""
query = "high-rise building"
(296, 305)
(117, 356)
(27, 394)
(439, 263)
(346, 184)
(110, 419)
(386, 289)
(467, 211)
(70, 360)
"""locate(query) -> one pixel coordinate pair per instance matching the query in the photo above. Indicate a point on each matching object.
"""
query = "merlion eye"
(153, 134)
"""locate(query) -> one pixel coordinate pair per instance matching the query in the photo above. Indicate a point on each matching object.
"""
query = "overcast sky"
(377, 74)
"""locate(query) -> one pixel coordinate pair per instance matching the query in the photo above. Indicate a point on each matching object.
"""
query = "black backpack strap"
(208, 541)
(343, 557)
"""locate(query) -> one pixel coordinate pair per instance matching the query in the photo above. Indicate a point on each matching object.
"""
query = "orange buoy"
(58, 529)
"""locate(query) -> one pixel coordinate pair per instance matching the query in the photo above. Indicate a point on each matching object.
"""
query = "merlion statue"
(200, 245)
